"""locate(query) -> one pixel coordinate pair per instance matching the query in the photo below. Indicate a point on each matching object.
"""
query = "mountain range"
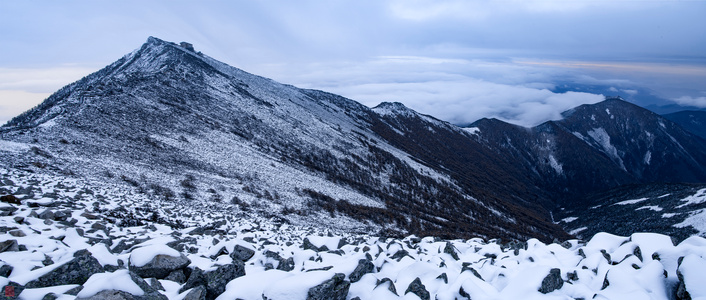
(178, 125)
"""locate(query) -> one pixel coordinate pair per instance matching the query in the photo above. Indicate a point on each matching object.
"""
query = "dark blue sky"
(456, 60)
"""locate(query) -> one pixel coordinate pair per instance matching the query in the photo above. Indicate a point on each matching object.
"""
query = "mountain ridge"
(179, 125)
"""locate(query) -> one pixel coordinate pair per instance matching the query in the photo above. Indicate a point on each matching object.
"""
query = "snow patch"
(650, 207)
(696, 219)
(577, 230)
(555, 165)
(13, 147)
(648, 157)
(699, 197)
(569, 219)
(628, 202)
(472, 130)
(603, 139)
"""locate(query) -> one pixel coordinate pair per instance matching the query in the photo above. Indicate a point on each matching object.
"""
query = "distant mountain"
(599, 146)
(179, 125)
(693, 121)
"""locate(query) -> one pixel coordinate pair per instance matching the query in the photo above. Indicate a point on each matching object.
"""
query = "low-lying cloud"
(454, 90)
(699, 102)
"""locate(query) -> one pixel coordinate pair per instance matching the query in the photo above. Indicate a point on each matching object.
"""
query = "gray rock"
(286, 264)
(196, 278)
(335, 288)
(6, 270)
(443, 277)
(307, 245)
(242, 253)
(155, 284)
(198, 293)
(11, 291)
(9, 245)
(76, 271)
(150, 292)
(161, 265)
(449, 249)
(551, 282)
(399, 255)
(364, 267)
(17, 233)
(681, 292)
(220, 252)
(47, 215)
(74, 291)
(110, 295)
(216, 280)
(390, 288)
(467, 267)
(177, 276)
(50, 296)
(638, 253)
(90, 216)
(417, 288)
(7, 211)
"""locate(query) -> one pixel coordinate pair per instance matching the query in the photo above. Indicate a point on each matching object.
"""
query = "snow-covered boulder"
(156, 261)
(75, 271)
(121, 284)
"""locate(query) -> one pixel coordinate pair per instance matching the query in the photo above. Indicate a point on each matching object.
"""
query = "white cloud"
(455, 90)
(691, 101)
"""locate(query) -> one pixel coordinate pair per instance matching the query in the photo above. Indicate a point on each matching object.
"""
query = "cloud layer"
(457, 60)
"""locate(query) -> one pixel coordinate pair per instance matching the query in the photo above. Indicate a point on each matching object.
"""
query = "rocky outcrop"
(76, 271)
(161, 265)
(335, 288)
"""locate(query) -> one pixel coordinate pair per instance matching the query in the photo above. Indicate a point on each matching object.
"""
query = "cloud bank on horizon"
(519, 61)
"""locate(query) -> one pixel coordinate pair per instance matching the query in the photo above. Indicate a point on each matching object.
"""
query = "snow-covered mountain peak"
(393, 108)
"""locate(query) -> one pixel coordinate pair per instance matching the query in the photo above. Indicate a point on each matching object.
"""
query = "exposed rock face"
(216, 280)
(449, 249)
(335, 288)
(76, 271)
(417, 288)
(552, 281)
(198, 293)
(365, 266)
(242, 253)
(9, 245)
(161, 265)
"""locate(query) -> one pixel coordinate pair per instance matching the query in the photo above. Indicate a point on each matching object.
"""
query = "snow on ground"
(650, 207)
(601, 137)
(699, 197)
(628, 202)
(227, 257)
(569, 219)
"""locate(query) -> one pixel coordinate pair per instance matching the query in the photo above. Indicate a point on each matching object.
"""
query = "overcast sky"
(456, 60)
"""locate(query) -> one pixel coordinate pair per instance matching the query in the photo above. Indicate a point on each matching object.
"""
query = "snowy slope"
(182, 126)
(678, 210)
(119, 238)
